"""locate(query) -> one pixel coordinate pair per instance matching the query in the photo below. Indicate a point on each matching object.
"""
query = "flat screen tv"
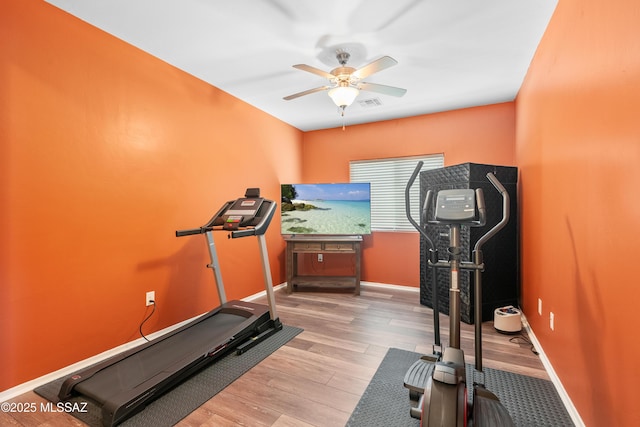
(326, 209)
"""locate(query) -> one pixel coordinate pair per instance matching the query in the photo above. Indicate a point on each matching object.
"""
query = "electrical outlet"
(150, 298)
(320, 258)
(551, 320)
(540, 306)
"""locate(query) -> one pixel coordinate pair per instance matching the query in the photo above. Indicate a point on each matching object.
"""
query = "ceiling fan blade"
(374, 67)
(306, 92)
(387, 90)
(314, 70)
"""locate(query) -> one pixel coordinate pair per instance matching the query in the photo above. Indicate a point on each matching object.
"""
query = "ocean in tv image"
(341, 209)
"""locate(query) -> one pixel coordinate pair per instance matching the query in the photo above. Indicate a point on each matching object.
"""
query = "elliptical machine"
(438, 381)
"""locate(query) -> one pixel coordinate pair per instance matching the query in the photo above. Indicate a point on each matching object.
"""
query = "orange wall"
(105, 152)
(578, 149)
(480, 135)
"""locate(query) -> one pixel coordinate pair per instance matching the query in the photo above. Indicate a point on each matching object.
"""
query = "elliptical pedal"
(416, 377)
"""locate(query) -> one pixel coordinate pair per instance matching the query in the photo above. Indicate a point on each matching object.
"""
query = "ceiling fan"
(346, 82)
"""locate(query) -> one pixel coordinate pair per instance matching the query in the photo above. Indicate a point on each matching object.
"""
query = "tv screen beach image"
(326, 209)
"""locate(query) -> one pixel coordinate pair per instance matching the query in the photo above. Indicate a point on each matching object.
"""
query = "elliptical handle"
(482, 210)
(407, 196)
(477, 259)
(496, 183)
(505, 212)
(407, 203)
(425, 206)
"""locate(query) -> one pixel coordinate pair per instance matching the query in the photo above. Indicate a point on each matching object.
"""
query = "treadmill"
(124, 384)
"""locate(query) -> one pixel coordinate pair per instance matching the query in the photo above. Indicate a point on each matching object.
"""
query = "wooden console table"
(323, 245)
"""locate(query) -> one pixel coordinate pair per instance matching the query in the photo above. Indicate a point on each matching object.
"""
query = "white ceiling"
(451, 53)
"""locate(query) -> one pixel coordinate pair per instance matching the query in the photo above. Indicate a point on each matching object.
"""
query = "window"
(388, 178)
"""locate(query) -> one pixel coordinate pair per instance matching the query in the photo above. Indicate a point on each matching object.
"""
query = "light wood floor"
(318, 378)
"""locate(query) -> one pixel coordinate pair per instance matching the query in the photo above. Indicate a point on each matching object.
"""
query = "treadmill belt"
(160, 358)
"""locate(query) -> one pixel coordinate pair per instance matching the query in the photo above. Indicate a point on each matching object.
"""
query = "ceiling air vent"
(370, 103)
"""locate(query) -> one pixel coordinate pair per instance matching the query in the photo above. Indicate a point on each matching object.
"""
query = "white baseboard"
(387, 286)
(263, 293)
(67, 370)
(564, 396)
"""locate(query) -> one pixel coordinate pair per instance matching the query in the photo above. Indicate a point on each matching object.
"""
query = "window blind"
(388, 178)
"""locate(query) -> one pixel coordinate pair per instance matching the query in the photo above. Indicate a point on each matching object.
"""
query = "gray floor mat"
(385, 403)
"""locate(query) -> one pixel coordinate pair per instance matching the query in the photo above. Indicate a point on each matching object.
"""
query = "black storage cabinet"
(501, 277)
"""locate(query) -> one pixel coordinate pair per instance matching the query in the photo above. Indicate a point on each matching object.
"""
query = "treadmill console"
(456, 205)
(240, 213)
(247, 216)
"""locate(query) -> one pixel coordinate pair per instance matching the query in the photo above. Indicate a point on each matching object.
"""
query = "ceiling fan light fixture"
(343, 96)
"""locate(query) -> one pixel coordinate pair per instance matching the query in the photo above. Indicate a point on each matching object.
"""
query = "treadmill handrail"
(208, 226)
